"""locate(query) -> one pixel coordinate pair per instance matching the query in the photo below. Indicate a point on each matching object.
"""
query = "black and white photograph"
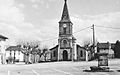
(59, 37)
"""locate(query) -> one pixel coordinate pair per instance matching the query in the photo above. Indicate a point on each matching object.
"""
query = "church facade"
(65, 41)
(67, 50)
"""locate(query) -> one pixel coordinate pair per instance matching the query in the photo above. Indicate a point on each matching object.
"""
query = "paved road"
(58, 68)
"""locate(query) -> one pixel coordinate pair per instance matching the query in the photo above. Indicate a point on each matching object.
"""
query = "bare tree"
(28, 47)
(86, 43)
(39, 52)
(89, 46)
(45, 52)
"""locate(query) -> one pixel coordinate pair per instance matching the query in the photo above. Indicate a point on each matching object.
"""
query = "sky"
(38, 20)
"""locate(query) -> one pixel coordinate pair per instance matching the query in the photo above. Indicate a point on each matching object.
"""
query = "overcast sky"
(38, 19)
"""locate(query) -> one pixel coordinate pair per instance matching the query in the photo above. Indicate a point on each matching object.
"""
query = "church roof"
(80, 46)
(65, 15)
(54, 47)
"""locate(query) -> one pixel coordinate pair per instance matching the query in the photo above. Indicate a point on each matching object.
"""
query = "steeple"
(65, 15)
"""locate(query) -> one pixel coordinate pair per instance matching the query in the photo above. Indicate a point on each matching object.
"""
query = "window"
(81, 53)
(64, 30)
(54, 53)
(65, 43)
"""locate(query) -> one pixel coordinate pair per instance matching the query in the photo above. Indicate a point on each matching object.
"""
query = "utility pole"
(93, 27)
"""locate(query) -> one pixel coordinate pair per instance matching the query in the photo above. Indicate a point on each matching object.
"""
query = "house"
(2, 49)
(106, 48)
(15, 53)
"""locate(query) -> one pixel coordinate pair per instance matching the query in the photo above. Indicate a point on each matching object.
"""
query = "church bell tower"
(65, 41)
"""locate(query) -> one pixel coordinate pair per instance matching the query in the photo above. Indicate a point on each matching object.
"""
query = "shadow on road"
(98, 71)
(118, 70)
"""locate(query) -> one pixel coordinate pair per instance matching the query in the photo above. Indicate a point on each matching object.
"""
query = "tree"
(34, 52)
(39, 52)
(43, 52)
(28, 47)
(117, 49)
(88, 45)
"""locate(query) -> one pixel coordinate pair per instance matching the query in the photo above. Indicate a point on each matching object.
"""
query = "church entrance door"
(65, 55)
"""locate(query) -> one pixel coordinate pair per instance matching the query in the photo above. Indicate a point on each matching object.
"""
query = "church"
(67, 49)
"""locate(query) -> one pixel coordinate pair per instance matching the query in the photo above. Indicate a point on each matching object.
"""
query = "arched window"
(54, 53)
(65, 43)
(64, 30)
(81, 53)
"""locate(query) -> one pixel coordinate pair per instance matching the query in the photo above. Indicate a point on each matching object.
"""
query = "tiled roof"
(12, 48)
(80, 46)
(3, 37)
(103, 45)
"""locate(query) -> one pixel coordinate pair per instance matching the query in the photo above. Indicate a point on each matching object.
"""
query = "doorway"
(65, 55)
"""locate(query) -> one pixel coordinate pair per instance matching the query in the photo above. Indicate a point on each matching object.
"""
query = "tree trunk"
(27, 59)
(14, 57)
(45, 57)
(40, 57)
(34, 59)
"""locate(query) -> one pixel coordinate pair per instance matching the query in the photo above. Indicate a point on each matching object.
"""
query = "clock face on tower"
(64, 25)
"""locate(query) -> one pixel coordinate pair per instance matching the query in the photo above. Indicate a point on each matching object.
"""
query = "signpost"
(102, 59)
(102, 63)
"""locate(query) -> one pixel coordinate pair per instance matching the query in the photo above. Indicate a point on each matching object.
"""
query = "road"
(58, 68)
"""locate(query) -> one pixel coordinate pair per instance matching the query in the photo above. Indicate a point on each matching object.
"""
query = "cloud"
(10, 14)
(52, 0)
(49, 32)
(102, 34)
(35, 6)
(43, 3)
(51, 28)
(21, 5)
(6, 3)
(13, 25)
(34, 1)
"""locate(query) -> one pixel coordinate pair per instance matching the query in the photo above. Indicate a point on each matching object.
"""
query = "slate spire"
(65, 15)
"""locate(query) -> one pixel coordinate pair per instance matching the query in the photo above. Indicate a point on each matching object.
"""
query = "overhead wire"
(107, 27)
(73, 33)
(80, 31)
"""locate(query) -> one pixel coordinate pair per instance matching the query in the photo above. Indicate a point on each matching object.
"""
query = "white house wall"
(2, 51)
(17, 55)
(21, 57)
